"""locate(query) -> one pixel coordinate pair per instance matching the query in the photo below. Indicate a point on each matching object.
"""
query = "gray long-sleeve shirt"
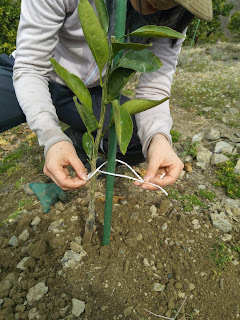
(51, 28)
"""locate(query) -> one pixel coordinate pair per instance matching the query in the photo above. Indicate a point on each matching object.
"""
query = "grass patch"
(221, 255)
(207, 195)
(228, 179)
(189, 149)
(175, 135)
(9, 162)
(18, 212)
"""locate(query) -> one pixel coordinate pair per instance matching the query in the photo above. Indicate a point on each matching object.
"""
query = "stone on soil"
(213, 134)
(158, 287)
(223, 147)
(7, 284)
(221, 222)
(36, 293)
(13, 241)
(236, 169)
(218, 158)
(72, 259)
(24, 235)
(21, 265)
(78, 307)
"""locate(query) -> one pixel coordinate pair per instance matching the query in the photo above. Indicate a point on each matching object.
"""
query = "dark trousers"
(11, 114)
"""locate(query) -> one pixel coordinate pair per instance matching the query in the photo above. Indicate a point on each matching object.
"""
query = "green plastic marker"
(121, 11)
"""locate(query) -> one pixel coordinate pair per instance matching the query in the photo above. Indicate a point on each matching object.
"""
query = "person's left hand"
(161, 159)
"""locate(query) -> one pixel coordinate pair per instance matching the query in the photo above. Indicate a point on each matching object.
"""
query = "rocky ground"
(166, 253)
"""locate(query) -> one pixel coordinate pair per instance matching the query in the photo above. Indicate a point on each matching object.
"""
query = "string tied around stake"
(140, 179)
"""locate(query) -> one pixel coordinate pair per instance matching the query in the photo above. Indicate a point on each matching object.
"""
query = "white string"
(159, 316)
(91, 174)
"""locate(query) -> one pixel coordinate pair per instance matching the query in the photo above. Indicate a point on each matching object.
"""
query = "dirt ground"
(163, 255)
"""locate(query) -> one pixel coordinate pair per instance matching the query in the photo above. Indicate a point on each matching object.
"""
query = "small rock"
(218, 158)
(13, 241)
(33, 314)
(213, 134)
(7, 284)
(60, 206)
(56, 225)
(37, 292)
(158, 287)
(236, 169)
(78, 307)
(24, 235)
(21, 265)
(201, 165)
(72, 259)
(227, 237)
(146, 263)
(36, 221)
(164, 226)
(230, 203)
(223, 144)
(153, 211)
(204, 155)
(74, 218)
(202, 187)
(127, 311)
(76, 247)
(221, 222)
(191, 286)
(198, 137)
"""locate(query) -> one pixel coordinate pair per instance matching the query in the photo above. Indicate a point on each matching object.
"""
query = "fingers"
(64, 181)
(58, 158)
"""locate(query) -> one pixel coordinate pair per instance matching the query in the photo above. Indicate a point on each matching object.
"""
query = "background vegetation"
(207, 32)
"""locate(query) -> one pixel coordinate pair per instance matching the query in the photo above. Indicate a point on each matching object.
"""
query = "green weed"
(188, 201)
(175, 135)
(228, 179)
(220, 255)
(207, 195)
(189, 149)
(17, 212)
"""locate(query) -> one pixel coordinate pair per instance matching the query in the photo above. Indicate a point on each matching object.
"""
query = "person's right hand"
(59, 156)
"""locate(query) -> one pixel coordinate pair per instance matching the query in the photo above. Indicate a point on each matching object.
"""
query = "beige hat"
(199, 8)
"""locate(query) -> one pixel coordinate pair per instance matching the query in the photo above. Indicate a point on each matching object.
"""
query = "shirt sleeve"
(156, 86)
(37, 38)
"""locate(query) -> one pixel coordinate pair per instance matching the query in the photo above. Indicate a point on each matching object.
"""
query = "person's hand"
(161, 159)
(59, 156)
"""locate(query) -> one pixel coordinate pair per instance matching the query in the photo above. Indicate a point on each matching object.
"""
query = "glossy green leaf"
(74, 83)
(138, 105)
(141, 61)
(123, 124)
(102, 14)
(94, 34)
(87, 142)
(117, 80)
(118, 46)
(156, 32)
(87, 116)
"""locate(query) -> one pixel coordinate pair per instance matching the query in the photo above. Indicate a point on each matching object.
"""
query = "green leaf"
(156, 32)
(117, 80)
(117, 46)
(94, 34)
(123, 124)
(141, 61)
(87, 142)
(102, 14)
(138, 105)
(87, 116)
(74, 83)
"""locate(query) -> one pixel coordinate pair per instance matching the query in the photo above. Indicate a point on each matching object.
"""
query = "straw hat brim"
(199, 8)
